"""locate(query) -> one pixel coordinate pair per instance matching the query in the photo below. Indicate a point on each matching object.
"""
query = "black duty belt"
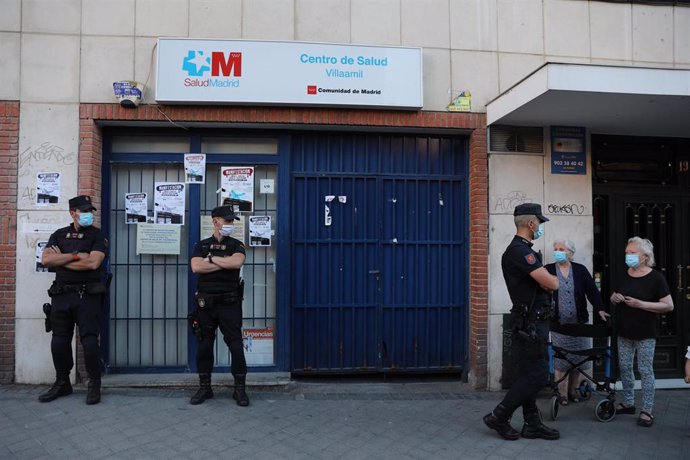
(81, 289)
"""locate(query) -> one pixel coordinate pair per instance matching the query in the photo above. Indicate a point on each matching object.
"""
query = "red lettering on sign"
(221, 66)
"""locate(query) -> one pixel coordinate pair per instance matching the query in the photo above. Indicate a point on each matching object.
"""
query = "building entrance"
(642, 188)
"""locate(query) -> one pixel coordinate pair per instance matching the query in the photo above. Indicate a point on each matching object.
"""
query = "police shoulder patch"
(531, 259)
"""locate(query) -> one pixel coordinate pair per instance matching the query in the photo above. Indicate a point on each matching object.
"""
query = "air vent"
(516, 139)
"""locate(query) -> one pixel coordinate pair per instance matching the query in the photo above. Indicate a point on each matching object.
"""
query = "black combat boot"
(534, 428)
(61, 387)
(499, 420)
(93, 391)
(204, 392)
(240, 394)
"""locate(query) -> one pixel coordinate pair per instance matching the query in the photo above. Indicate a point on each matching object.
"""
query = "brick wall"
(9, 153)
(475, 124)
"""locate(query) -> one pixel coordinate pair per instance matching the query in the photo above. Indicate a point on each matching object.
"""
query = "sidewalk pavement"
(318, 419)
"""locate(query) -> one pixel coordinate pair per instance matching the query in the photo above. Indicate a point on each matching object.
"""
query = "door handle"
(374, 272)
(679, 278)
(687, 287)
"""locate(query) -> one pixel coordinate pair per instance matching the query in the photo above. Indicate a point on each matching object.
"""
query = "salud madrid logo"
(225, 68)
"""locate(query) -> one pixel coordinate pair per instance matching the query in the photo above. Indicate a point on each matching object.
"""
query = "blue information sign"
(568, 154)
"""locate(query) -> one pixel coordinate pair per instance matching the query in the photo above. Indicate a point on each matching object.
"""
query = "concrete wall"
(566, 200)
(59, 54)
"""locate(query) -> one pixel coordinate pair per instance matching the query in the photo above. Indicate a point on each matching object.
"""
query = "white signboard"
(288, 73)
(158, 239)
(237, 187)
(169, 203)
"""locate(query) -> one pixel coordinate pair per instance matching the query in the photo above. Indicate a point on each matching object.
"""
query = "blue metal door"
(379, 253)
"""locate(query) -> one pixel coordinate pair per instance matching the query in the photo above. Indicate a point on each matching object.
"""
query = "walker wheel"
(605, 411)
(555, 405)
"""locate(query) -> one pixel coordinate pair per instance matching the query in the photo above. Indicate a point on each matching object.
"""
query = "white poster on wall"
(47, 188)
(136, 207)
(259, 230)
(237, 187)
(40, 246)
(195, 168)
(258, 345)
(169, 203)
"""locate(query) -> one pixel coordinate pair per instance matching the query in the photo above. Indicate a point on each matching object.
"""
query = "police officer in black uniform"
(530, 287)
(218, 260)
(76, 253)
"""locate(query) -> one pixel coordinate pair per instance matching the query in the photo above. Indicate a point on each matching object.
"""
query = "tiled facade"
(67, 53)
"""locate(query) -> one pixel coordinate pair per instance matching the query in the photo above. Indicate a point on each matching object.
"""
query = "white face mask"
(225, 230)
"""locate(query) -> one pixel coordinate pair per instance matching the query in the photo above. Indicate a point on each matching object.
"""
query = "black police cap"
(82, 203)
(530, 209)
(224, 212)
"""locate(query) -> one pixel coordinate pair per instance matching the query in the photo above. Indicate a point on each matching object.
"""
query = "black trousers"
(67, 310)
(227, 317)
(532, 370)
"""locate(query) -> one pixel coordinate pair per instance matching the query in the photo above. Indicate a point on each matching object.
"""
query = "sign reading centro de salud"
(288, 73)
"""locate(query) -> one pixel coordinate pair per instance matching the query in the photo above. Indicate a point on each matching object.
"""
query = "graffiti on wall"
(572, 209)
(511, 199)
(45, 153)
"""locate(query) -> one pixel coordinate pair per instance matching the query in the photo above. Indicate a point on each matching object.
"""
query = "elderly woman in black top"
(576, 286)
(642, 294)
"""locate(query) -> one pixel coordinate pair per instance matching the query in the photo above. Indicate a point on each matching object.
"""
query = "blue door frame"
(282, 343)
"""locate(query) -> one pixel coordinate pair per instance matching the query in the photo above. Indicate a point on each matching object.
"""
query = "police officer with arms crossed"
(76, 254)
(218, 260)
(529, 286)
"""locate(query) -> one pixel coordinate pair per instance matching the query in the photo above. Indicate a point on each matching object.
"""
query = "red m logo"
(221, 66)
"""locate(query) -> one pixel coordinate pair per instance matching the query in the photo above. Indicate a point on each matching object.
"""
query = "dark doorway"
(642, 188)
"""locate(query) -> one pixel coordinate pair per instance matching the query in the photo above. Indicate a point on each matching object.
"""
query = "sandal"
(623, 409)
(573, 397)
(645, 422)
(562, 400)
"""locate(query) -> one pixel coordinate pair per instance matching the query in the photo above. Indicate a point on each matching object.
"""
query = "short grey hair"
(646, 247)
(569, 245)
(523, 220)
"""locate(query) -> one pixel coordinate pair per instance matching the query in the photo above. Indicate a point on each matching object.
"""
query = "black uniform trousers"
(227, 316)
(84, 310)
(532, 370)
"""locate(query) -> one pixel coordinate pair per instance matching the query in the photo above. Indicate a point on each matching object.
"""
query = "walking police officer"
(76, 254)
(218, 260)
(529, 286)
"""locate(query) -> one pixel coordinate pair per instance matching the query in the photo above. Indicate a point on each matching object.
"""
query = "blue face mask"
(632, 260)
(539, 232)
(85, 219)
(559, 256)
